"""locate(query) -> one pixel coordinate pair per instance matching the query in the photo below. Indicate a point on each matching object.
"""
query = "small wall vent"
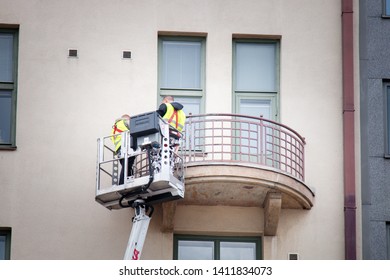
(293, 256)
(72, 53)
(127, 54)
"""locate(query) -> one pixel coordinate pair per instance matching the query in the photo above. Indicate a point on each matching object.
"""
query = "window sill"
(7, 148)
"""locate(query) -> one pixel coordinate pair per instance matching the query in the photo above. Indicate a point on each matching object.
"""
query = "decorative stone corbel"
(168, 212)
(272, 208)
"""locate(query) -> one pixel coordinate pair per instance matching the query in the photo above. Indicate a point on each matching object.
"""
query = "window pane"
(256, 108)
(387, 8)
(251, 143)
(388, 239)
(238, 251)
(181, 65)
(191, 105)
(5, 117)
(388, 119)
(196, 250)
(255, 67)
(2, 247)
(6, 57)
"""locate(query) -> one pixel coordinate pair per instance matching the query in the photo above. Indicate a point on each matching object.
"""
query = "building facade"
(272, 186)
(375, 121)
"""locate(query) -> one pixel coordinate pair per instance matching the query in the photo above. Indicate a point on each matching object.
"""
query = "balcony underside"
(242, 185)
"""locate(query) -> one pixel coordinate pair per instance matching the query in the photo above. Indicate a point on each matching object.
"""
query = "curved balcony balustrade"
(243, 139)
(239, 160)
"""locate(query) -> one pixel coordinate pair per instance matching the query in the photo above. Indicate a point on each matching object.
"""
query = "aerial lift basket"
(157, 174)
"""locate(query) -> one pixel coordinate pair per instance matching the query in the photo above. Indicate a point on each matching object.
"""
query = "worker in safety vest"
(121, 125)
(172, 112)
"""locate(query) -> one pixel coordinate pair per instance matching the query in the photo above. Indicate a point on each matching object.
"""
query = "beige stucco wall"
(64, 104)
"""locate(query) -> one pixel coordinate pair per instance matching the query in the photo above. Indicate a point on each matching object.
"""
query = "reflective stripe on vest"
(118, 128)
(175, 118)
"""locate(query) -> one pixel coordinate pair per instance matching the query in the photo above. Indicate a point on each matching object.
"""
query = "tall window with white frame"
(182, 71)
(8, 69)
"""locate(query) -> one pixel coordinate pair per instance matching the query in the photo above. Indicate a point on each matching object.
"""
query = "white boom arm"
(139, 230)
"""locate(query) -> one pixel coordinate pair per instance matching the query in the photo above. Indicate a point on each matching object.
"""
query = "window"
(256, 78)
(387, 119)
(386, 8)
(252, 105)
(388, 239)
(182, 71)
(255, 93)
(216, 248)
(5, 243)
(8, 69)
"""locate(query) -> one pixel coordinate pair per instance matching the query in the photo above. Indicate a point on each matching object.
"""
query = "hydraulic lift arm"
(143, 214)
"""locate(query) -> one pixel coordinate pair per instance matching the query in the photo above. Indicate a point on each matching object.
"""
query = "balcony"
(238, 160)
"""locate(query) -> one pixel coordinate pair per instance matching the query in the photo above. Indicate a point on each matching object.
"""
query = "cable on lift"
(144, 188)
(151, 169)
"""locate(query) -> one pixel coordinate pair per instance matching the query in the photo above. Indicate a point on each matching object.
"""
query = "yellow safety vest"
(175, 118)
(118, 128)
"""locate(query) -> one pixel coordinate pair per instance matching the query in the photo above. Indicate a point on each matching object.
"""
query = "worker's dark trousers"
(130, 162)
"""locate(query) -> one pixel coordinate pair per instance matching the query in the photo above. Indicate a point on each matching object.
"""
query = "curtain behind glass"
(255, 67)
(238, 251)
(387, 4)
(196, 250)
(5, 117)
(2, 247)
(388, 119)
(181, 65)
(6, 57)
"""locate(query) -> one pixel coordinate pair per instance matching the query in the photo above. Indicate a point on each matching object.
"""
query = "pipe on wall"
(348, 130)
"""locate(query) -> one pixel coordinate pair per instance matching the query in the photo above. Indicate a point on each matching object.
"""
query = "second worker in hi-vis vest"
(172, 112)
(121, 125)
